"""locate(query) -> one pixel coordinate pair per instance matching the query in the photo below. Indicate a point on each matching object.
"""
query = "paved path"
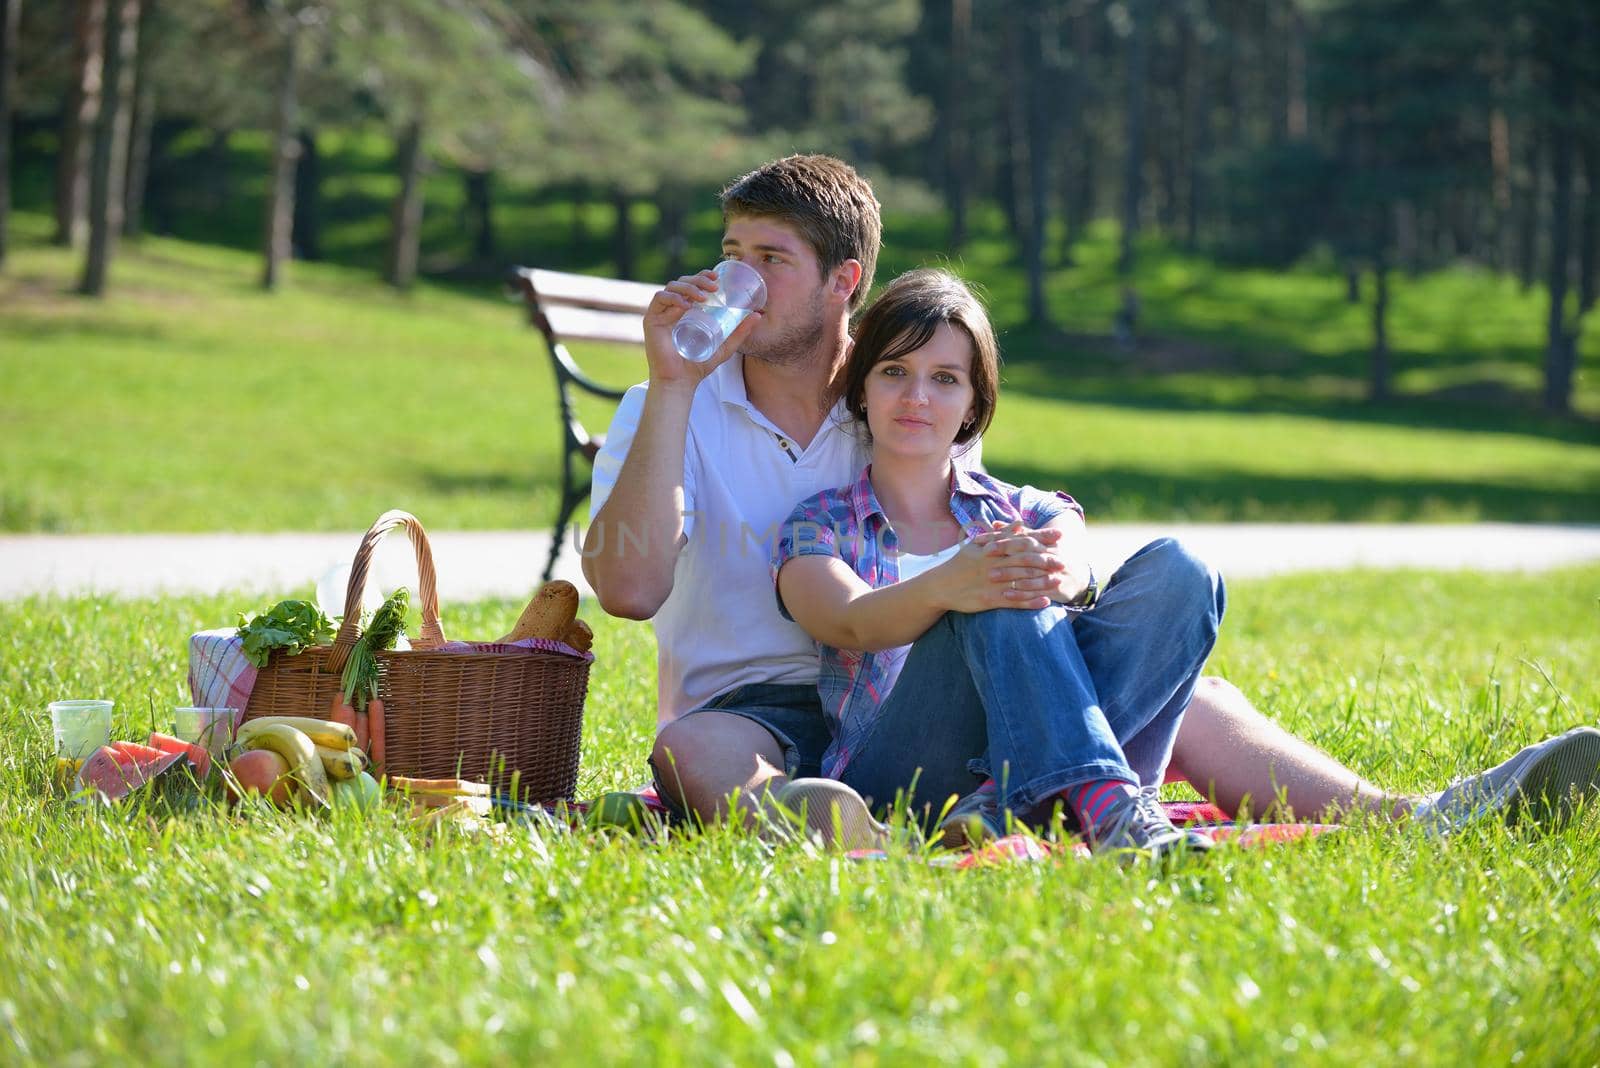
(508, 563)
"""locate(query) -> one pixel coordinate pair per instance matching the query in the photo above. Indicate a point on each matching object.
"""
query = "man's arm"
(634, 538)
(633, 541)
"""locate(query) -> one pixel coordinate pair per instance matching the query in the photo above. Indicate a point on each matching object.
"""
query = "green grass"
(209, 939)
(190, 400)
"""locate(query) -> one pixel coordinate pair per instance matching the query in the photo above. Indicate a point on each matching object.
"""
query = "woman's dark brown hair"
(904, 318)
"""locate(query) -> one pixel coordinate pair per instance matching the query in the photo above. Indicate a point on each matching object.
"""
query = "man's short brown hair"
(829, 205)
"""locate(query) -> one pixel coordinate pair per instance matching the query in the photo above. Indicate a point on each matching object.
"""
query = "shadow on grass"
(1223, 495)
(1086, 372)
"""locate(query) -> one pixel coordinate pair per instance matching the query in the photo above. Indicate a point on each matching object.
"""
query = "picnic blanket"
(1023, 848)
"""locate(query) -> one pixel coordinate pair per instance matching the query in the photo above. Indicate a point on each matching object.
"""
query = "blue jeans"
(1044, 700)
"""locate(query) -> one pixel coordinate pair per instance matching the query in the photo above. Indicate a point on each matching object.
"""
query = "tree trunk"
(674, 230)
(277, 239)
(1352, 284)
(1378, 387)
(307, 240)
(78, 123)
(478, 187)
(1133, 123)
(1500, 182)
(1528, 216)
(958, 155)
(1029, 144)
(1078, 176)
(139, 134)
(623, 238)
(110, 162)
(1589, 229)
(580, 230)
(405, 231)
(1197, 99)
(1171, 135)
(1559, 351)
(1297, 113)
(10, 23)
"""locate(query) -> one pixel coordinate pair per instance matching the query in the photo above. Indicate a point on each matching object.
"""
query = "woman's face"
(917, 403)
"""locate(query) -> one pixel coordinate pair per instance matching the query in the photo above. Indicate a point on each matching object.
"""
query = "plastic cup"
(80, 727)
(209, 727)
(703, 328)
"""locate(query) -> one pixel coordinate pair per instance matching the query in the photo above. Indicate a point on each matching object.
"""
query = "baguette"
(445, 787)
(579, 636)
(549, 614)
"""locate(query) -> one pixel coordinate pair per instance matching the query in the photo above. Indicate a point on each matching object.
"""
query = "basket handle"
(432, 636)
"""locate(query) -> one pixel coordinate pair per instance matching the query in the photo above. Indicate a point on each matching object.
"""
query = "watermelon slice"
(198, 755)
(118, 769)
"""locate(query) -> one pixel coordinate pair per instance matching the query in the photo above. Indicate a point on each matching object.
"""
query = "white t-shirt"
(910, 565)
(720, 627)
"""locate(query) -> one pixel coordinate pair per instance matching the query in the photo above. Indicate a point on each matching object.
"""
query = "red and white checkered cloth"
(219, 674)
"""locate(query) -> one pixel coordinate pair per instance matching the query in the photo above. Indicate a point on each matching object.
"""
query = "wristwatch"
(1088, 595)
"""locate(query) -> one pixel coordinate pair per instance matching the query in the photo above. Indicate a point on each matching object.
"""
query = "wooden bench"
(577, 307)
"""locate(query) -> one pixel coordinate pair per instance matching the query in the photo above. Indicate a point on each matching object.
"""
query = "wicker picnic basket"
(512, 719)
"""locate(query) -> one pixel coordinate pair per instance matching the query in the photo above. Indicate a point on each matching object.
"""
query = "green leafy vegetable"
(288, 625)
(360, 678)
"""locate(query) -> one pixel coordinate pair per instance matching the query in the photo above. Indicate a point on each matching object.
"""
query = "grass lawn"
(207, 939)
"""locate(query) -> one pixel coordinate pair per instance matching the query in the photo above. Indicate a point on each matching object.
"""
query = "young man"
(702, 463)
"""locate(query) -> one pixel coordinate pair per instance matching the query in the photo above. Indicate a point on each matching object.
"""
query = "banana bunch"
(316, 751)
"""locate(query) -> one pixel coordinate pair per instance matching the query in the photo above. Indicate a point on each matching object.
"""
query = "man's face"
(802, 303)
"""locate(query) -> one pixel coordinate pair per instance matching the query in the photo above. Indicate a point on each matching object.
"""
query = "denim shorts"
(791, 713)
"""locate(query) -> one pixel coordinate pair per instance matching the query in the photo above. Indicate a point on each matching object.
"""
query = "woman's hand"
(1032, 562)
(976, 580)
(667, 367)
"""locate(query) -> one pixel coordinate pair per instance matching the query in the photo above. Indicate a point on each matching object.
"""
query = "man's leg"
(703, 759)
(754, 754)
(1239, 758)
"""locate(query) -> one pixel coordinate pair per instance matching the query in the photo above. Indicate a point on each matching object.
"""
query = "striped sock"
(1090, 800)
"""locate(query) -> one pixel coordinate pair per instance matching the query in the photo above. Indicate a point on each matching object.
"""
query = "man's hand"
(1035, 561)
(667, 368)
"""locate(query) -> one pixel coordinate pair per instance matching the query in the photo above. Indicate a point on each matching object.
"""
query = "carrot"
(376, 735)
(341, 712)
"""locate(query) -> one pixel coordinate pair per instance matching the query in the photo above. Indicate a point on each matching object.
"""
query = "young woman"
(966, 649)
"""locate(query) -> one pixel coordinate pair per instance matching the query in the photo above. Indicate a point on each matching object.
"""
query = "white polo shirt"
(742, 476)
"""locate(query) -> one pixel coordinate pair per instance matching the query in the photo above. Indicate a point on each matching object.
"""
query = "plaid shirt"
(849, 523)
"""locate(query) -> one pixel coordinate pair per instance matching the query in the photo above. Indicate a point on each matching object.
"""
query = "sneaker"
(974, 821)
(1542, 782)
(832, 813)
(1137, 824)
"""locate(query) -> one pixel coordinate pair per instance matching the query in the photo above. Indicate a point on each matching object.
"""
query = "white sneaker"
(828, 811)
(1543, 783)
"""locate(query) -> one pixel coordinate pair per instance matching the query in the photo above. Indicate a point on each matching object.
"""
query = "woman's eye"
(946, 377)
(893, 370)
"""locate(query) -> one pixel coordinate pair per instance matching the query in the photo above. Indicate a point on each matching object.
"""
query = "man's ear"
(843, 279)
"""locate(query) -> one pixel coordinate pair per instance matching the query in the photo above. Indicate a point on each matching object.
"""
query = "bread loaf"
(579, 636)
(549, 614)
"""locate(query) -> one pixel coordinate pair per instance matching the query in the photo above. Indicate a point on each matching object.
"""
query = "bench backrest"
(577, 307)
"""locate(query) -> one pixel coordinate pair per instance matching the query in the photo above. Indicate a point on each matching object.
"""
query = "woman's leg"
(930, 740)
(1144, 645)
(999, 685)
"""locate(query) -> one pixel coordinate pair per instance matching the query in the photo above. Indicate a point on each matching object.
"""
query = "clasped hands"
(1012, 566)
